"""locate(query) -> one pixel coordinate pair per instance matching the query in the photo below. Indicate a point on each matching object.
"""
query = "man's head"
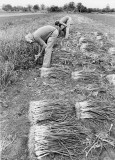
(29, 38)
(57, 23)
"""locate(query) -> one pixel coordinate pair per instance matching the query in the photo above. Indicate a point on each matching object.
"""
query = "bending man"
(64, 23)
(45, 37)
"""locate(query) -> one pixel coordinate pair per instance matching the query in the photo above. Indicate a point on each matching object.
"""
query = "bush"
(55, 9)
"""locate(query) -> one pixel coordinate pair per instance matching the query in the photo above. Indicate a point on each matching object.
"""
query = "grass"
(76, 101)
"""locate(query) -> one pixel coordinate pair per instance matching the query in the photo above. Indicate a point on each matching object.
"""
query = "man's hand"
(37, 56)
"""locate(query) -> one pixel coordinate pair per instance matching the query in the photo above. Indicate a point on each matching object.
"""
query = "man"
(64, 23)
(45, 37)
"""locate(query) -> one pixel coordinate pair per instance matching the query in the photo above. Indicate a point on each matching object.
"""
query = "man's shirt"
(64, 19)
(44, 32)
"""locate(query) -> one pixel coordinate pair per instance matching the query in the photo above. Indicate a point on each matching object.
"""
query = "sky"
(87, 3)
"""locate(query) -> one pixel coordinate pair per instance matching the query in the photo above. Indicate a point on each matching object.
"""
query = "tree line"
(72, 7)
(29, 8)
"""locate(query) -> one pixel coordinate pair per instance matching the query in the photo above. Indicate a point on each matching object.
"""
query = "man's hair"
(29, 38)
(57, 23)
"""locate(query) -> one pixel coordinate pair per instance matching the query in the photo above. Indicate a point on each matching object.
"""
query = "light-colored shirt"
(64, 19)
(44, 32)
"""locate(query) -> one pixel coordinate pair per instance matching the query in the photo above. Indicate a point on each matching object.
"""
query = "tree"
(107, 9)
(36, 7)
(29, 7)
(42, 7)
(89, 10)
(54, 9)
(25, 9)
(7, 7)
(71, 6)
(20, 8)
(15, 8)
(112, 10)
(79, 7)
(84, 9)
(65, 7)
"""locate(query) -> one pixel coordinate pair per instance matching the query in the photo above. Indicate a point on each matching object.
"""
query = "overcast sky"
(87, 3)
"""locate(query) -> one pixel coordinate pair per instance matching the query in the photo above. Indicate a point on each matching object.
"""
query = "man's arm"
(63, 24)
(43, 44)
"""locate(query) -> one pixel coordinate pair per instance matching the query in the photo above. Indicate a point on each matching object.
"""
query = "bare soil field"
(9, 20)
(76, 111)
(106, 19)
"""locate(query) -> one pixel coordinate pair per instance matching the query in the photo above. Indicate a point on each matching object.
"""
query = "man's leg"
(48, 50)
(68, 28)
